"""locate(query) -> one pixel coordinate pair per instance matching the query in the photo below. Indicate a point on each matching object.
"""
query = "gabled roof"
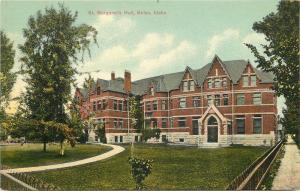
(168, 82)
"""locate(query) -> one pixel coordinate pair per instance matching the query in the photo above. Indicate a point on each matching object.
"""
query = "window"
(116, 139)
(210, 100)
(99, 105)
(224, 82)
(240, 123)
(225, 99)
(155, 105)
(196, 101)
(115, 123)
(257, 124)
(121, 105)
(121, 139)
(185, 86)
(115, 105)
(195, 125)
(152, 91)
(171, 122)
(121, 123)
(163, 104)
(210, 84)
(256, 98)
(98, 90)
(182, 103)
(181, 140)
(181, 121)
(240, 99)
(164, 138)
(136, 138)
(164, 122)
(148, 105)
(245, 81)
(154, 123)
(104, 104)
(125, 105)
(94, 106)
(253, 80)
(217, 83)
(192, 85)
(217, 100)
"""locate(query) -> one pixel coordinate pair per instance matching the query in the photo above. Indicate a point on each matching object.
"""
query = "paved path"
(116, 150)
(288, 176)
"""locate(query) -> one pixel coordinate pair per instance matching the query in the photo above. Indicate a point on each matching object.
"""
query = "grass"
(174, 167)
(32, 154)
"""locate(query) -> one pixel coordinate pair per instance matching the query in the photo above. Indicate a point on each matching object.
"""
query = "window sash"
(256, 97)
(163, 104)
(257, 125)
(225, 99)
(115, 105)
(240, 123)
(217, 100)
(245, 81)
(192, 85)
(155, 105)
(240, 99)
(164, 123)
(181, 122)
(182, 103)
(185, 86)
(253, 80)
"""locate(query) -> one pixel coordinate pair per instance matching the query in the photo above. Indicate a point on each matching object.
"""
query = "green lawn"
(33, 155)
(174, 167)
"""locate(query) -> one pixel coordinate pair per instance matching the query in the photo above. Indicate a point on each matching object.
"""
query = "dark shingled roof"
(167, 82)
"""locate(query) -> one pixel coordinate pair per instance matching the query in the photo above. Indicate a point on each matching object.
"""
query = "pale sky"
(189, 33)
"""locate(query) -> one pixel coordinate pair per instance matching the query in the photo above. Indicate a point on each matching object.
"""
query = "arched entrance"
(212, 130)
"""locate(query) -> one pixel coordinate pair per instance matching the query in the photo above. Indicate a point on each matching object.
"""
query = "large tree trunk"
(45, 145)
(62, 149)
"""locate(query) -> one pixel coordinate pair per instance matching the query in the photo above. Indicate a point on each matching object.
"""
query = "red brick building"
(222, 103)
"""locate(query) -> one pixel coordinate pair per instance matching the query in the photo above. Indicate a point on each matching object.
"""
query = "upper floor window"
(154, 123)
(188, 86)
(121, 123)
(155, 105)
(217, 83)
(210, 84)
(152, 91)
(164, 122)
(253, 80)
(240, 99)
(94, 106)
(182, 102)
(121, 105)
(185, 86)
(98, 90)
(217, 100)
(115, 123)
(196, 101)
(245, 81)
(99, 105)
(181, 121)
(256, 98)
(224, 82)
(225, 99)
(115, 105)
(210, 100)
(163, 104)
(148, 105)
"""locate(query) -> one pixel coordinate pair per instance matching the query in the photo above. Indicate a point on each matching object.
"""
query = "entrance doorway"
(212, 130)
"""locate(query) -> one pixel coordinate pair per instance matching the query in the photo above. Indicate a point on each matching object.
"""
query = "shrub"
(140, 169)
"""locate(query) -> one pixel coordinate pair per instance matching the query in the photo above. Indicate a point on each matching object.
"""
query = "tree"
(281, 30)
(140, 169)
(7, 78)
(100, 132)
(39, 130)
(52, 48)
(74, 120)
(137, 119)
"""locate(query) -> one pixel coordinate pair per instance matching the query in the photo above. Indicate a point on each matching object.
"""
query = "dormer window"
(152, 91)
(253, 80)
(209, 84)
(217, 83)
(188, 85)
(98, 90)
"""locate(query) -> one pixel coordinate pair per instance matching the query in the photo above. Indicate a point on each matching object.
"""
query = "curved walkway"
(116, 150)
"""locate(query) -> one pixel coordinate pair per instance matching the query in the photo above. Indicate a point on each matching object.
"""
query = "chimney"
(113, 76)
(127, 81)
